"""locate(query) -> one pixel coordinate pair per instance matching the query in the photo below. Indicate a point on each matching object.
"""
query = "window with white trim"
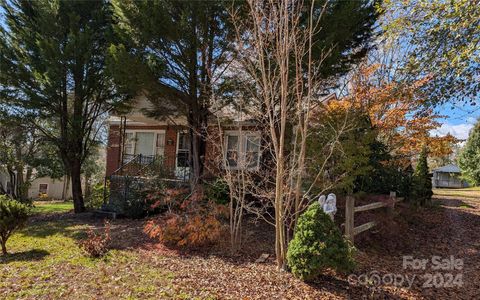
(242, 150)
(145, 142)
(183, 149)
(129, 143)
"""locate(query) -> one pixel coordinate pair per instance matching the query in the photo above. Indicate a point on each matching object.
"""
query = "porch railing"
(135, 173)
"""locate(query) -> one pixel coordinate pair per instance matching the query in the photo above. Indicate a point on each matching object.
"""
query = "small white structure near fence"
(448, 177)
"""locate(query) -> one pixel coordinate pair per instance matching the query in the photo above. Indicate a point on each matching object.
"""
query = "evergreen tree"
(52, 59)
(172, 52)
(469, 159)
(422, 182)
(317, 245)
(176, 53)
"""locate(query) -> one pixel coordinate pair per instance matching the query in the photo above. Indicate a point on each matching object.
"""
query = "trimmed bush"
(218, 192)
(318, 245)
(13, 216)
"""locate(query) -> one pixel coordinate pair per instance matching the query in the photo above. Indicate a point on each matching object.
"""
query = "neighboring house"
(52, 188)
(57, 189)
(448, 177)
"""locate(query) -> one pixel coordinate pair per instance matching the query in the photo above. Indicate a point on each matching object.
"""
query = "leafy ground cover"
(46, 263)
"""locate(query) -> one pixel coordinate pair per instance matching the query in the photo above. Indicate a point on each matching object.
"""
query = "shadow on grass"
(46, 229)
(31, 255)
(455, 203)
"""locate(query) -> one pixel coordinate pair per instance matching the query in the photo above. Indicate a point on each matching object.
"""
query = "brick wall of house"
(170, 146)
(212, 159)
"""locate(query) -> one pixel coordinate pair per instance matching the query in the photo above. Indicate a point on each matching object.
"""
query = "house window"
(144, 143)
(242, 150)
(183, 149)
(233, 150)
(43, 188)
(129, 143)
(252, 151)
(147, 143)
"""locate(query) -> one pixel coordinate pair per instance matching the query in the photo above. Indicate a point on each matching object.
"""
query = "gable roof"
(451, 168)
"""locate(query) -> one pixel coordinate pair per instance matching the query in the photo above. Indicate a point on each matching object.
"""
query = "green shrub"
(95, 198)
(422, 181)
(13, 215)
(317, 245)
(218, 192)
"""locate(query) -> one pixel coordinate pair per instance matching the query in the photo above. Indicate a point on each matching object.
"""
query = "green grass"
(52, 207)
(44, 261)
(472, 192)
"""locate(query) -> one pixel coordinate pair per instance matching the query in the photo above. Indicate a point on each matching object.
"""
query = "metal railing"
(126, 182)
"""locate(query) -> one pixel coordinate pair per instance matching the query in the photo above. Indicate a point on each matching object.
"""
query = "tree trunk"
(280, 239)
(21, 188)
(69, 180)
(197, 121)
(4, 247)
(13, 183)
(78, 204)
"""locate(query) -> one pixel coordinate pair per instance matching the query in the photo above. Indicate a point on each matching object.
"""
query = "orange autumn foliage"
(398, 113)
(193, 223)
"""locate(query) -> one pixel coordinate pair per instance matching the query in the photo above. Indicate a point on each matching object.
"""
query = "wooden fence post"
(349, 218)
(393, 196)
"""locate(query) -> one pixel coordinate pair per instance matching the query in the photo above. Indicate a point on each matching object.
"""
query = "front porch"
(137, 143)
(139, 151)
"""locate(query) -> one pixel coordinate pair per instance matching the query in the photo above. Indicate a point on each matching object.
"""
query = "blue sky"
(460, 118)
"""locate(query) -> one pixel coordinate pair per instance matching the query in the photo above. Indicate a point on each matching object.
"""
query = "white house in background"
(54, 188)
(448, 177)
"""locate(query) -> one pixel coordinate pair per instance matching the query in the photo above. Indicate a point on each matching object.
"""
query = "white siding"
(55, 188)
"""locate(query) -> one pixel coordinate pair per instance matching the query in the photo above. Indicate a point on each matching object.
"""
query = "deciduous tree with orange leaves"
(398, 113)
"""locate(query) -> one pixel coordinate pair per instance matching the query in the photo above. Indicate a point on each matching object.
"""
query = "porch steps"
(104, 214)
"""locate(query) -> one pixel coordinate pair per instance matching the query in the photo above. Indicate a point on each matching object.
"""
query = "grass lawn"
(52, 207)
(472, 192)
(45, 262)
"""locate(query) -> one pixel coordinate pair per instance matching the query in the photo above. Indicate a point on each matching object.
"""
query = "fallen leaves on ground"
(142, 268)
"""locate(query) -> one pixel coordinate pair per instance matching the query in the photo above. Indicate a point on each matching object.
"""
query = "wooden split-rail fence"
(350, 230)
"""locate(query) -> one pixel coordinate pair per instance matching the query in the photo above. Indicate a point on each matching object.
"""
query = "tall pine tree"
(172, 52)
(52, 59)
